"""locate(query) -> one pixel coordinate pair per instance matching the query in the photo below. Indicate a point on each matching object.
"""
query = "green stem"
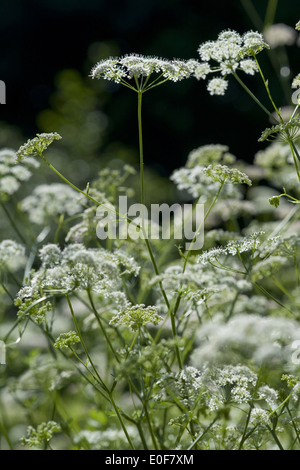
(141, 149)
(201, 225)
(101, 326)
(78, 331)
(252, 95)
(13, 224)
(270, 13)
(121, 421)
(109, 393)
(244, 436)
(200, 436)
(272, 431)
(268, 90)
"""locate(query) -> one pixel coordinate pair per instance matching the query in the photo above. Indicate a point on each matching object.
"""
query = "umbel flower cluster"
(121, 69)
(12, 175)
(76, 268)
(228, 54)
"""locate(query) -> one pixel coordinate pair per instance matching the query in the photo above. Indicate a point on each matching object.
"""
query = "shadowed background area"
(49, 47)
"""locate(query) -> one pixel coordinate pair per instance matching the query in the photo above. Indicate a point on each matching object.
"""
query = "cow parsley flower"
(280, 35)
(223, 174)
(202, 70)
(37, 145)
(40, 436)
(77, 268)
(229, 53)
(66, 340)
(249, 66)
(217, 86)
(296, 82)
(208, 154)
(12, 255)
(263, 339)
(237, 383)
(135, 66)
(48, 201)
(259, 417)
(12, 175)
(137, 316)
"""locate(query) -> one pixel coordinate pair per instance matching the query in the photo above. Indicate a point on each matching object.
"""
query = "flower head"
(217, 86)
(137, 316)
(229, 53)
(296, 82)
(222, 174)
(37, 145)
(280, 35)
(123, 69)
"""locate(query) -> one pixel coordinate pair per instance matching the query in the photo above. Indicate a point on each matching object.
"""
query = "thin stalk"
(78, 331)
(7, 291)
(121, 421)
(142, 189)
(201, 225)
(84, 193)
(200, 436)
(6, 436)
(270, 13)
(101, 326)
(109, 393)
(293, 423)
(268, 90)
(253, 14)
(141, 148)
(244, 436)
(253, 96)
(272, 431)
(13, 224)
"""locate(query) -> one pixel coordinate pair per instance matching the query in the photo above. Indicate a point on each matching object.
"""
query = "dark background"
(40, 38)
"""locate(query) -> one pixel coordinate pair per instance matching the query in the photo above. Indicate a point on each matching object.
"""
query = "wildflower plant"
(167, 348)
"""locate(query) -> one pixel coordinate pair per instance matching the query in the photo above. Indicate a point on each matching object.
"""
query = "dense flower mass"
(48, 201)
(229, 53)
(76, 268)
(37, 145)
(12, 175)
(135, 66)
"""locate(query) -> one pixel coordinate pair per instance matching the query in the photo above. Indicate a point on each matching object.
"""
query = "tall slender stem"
(252, 95)
(141, 148)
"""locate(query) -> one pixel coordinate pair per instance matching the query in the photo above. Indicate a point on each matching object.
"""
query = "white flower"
(253, 43)
(266, 340)
(137, 316)
(9, 185)
(50, 200)
(12, 175)
(121, 69)
(217, 86)
(12, 254)
(296, 82)
(280, 35)
(37, 145)
(202, 70)
(222, 174)
(249, 66)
